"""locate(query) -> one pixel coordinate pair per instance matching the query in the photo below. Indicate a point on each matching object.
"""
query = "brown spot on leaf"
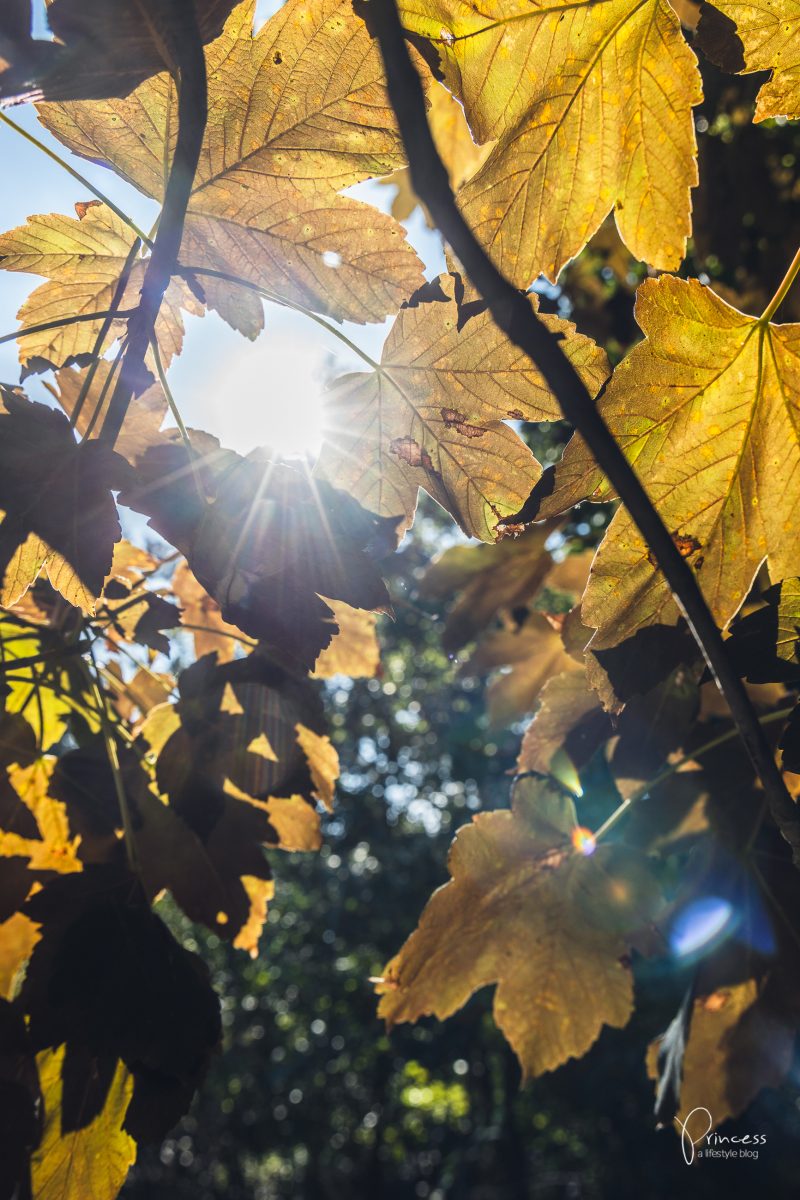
(454, 419)
(409, 450)
(83, 206)
(516, 414)
(685, 544)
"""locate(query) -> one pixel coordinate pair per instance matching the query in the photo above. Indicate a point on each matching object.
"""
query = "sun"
(271, 394)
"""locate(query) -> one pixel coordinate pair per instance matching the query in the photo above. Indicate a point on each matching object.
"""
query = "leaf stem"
(782, 292)
(779, 715)
(47, 656)
(29, 137)
(514, 315)
(275, 299)
(27, 330)
(173, 408)
(234, 637)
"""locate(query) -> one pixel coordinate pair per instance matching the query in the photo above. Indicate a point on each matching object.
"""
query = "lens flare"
(700, 926)
(583, 840)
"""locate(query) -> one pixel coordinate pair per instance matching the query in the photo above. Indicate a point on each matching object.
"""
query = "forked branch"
(513, 314)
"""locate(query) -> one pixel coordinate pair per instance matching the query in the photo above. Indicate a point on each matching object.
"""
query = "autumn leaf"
(590, 104)
(143, 419)
(757, 36)
(764, 643)
(60, 516)
(354, 650)
(706, 408)
(34, 825)
(525, 911)
(532, 653)
(87, 1159)
(735, 1047)
(109, 980)
(485, 580)
(296, 113)
(265, 541)
(432, 413)
(569, 718)
(201, 614)
(37, 695)
(459, 153)
(131, 608)
(241, 765)
(82, 260)
(104, 47)
(18, 936)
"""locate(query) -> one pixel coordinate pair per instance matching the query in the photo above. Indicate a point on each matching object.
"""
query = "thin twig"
(513, 314)
(28, 330)
(90, 187)
(192, 115)
(47, 656)
(102, 333)
(672, 768)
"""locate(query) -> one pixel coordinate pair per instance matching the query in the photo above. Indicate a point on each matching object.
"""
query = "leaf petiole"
(29, 137)
(728, 736)
(782, 292)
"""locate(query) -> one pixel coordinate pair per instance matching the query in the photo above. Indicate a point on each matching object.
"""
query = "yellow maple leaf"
(432, 413)
(93, 1160)
(82, 260)
(707, 408)
(767, 34)
(591, 105)
(525, 911)
(54, 849)
(354, 650)
(460, 154)
(296, 113)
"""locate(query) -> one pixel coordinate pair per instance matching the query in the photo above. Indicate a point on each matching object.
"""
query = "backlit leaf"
(533, 654)
(265, 540)
(104, 47)
(767, 33)
(82, 259)
(591, 105)
(354, 650)
(707, 409)
(459, 153)
(59, 512)
(91, 1159)
(525, 911)
(296, 114)
(201, 613)
(143, 419)
(735, 1047)
(485, 580)
(432, 415)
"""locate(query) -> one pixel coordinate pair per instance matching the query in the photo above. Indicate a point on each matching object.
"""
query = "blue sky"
(242, 392)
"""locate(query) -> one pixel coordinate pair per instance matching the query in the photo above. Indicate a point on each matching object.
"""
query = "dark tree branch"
(515, 317)
(192, 115)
